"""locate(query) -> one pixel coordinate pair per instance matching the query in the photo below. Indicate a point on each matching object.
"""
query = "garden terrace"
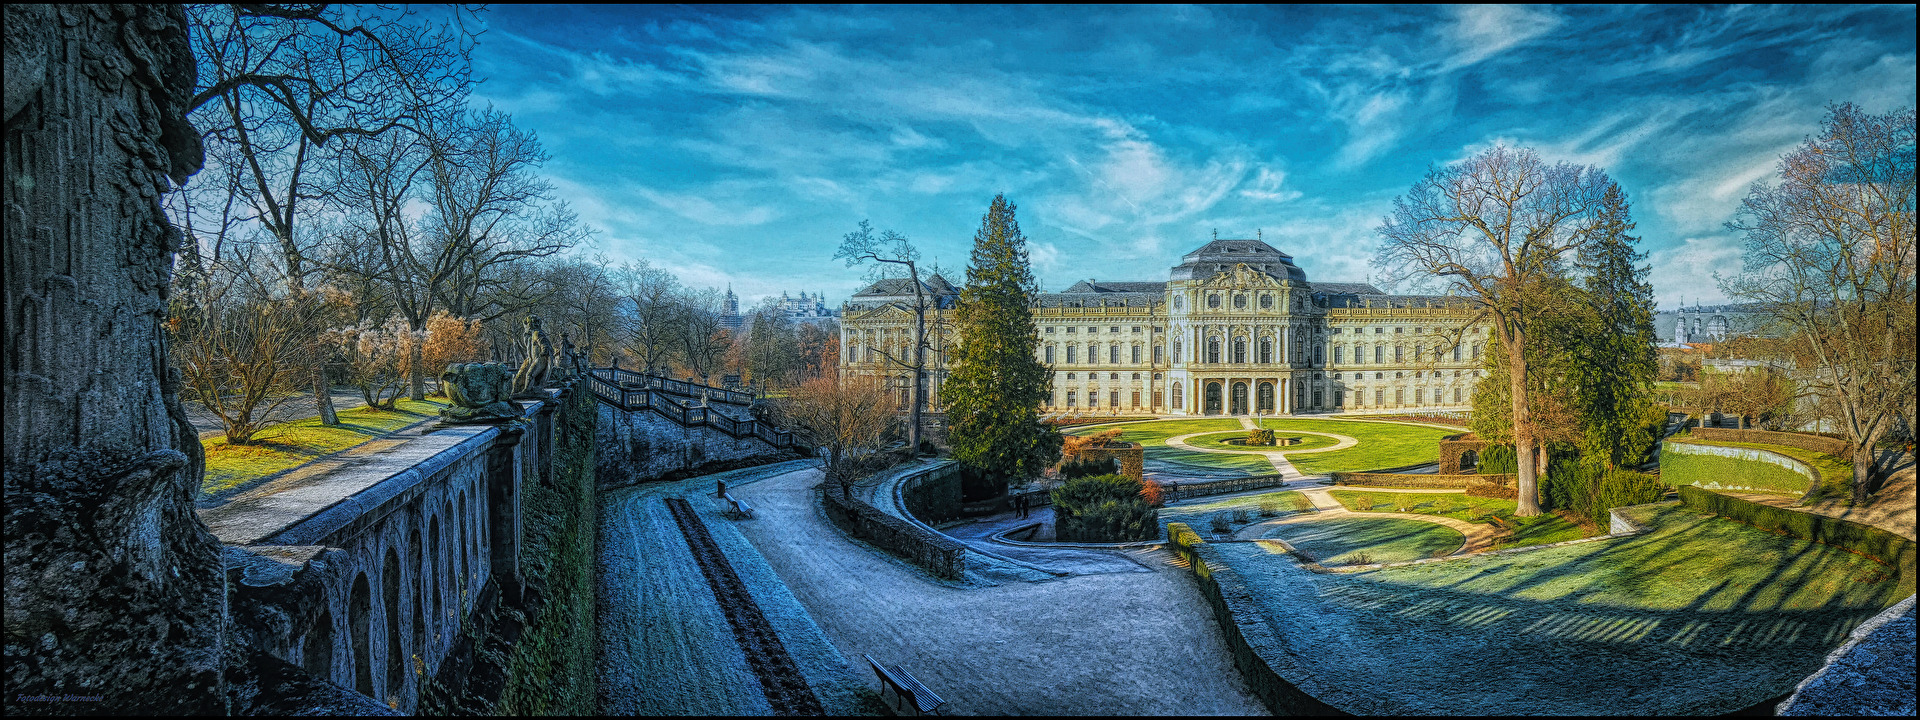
(1699, 616)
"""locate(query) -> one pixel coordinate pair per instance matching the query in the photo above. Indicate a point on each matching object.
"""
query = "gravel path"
(1128, 643)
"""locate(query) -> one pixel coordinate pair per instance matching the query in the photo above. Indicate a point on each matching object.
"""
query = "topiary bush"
(1103, 508)
(1260, 436)
(1491, 490)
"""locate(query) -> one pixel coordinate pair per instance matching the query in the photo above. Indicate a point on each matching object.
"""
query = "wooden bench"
(905, 686)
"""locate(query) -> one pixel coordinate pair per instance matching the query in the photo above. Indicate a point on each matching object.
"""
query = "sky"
(737, 145)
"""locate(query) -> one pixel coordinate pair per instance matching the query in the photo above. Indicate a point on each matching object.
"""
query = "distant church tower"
(730, 310)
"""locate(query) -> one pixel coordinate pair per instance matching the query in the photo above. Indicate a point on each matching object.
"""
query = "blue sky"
(737, 145)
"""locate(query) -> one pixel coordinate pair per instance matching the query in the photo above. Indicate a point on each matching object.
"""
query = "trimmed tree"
(998, 382)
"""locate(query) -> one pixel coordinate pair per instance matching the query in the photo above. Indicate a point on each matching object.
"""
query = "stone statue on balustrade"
(533, 371)
(479, 393)
(566, 365)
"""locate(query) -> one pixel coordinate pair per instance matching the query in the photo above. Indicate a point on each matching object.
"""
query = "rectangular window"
(1072, 353)
(1093, 354)
(1456, 353)
(1117, 329)
(1049, 330)
(1399, 354)
(1339, 398)
(1316, 397)
(1157, 354)
(1379, 397)
(1136, 354)
(1399, 396)
(1113, 355)
(1113, 399)
(1136, 398)
(1072, 401)
(1157, 398)
(1418, 394)
(1339, 355)
(1379, 354)
(1456, 396)
(1136, 328)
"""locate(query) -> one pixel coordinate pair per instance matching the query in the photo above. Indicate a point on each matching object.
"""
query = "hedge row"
(1415, 480)
(1880, 545)
(1490, 490)
(1716, 471)
(1831, 446)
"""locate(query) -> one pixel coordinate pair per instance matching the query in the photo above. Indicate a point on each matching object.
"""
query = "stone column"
(503, 511)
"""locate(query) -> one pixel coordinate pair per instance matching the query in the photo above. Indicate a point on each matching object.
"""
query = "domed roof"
(1222, 255)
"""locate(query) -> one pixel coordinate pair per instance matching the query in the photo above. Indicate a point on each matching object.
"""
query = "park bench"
(905, 686)
(736, 507)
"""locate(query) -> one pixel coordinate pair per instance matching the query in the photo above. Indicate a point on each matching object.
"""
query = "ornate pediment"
(1242, 276)
(888, 312)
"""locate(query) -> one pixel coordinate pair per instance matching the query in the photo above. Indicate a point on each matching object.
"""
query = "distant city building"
(1236, 329)
(807, 308)
(1708, 324)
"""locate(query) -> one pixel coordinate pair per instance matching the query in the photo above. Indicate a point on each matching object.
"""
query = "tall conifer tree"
(1614, 369)
(998, 383)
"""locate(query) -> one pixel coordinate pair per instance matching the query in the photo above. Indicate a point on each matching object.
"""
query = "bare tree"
(1830, 252)
(703, 340)
(653, 315)
(892, 250)
(279, 82)
(847, 417)
(1493, 227)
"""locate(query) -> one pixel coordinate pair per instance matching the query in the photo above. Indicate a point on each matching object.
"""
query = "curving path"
(1478, 537)
(1135, 643)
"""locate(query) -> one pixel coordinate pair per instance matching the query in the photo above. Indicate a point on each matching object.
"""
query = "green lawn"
(1382, 445)
(1219, 440)
(1351, 540)
(1195, 513)
(290, 445)
(1836, 474)
(1699, 616)
(1153, 435)
(1537, 530)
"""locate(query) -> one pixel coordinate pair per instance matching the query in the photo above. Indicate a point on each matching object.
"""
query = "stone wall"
(939, 554)
(1419, 480)
(640, 445)
(932, 496)
(1453, 450)
(1131, 457)
(1671, 449)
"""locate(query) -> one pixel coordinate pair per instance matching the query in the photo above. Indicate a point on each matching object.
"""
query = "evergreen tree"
(1612, 370)
(998, 383)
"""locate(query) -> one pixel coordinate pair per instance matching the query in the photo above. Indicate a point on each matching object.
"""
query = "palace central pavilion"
(1236, 329)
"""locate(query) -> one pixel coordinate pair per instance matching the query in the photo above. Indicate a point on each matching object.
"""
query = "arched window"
(1072, 354)
(1379, 354)
(1266, 350)
(1239, 350)
(1213, 350)
(1178, 394)
(1113, 354)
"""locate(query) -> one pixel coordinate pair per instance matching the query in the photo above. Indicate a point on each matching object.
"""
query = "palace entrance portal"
(1213, 398)
(1239, 399)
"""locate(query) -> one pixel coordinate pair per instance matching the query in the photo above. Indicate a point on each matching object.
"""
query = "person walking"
(1020, 506)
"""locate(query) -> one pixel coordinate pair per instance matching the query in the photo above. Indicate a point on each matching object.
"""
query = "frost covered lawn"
(1351, 540)
(1701, 615)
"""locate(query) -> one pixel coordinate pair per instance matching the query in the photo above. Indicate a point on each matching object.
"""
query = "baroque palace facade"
(1235, 330)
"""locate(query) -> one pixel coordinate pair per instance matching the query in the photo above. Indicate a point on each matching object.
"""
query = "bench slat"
(924, 699)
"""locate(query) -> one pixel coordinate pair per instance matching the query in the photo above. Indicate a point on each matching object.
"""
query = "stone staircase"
(688, 404)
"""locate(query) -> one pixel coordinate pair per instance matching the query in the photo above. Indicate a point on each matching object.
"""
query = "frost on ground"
(666, 649)
(1700, 616)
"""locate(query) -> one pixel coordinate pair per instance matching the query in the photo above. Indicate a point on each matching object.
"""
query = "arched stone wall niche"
(1454, 449)
(303, 553)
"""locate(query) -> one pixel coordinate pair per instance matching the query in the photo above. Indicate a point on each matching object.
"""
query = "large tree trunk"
(114, 587)
(1523, 441)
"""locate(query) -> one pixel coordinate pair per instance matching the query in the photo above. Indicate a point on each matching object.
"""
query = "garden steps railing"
(633, 392)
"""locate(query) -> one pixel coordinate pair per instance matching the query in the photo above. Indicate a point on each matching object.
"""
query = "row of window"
(1091, 329)
(1399, 354)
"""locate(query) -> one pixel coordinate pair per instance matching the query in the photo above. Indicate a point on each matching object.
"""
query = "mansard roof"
(1221, 255)
(898, 287)
(1382, 300)
(1339, 288)
(1092, 286)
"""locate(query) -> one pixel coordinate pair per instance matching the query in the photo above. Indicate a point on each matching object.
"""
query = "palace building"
(1236, 329)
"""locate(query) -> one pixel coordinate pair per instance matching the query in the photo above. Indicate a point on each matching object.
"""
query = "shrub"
(1405, 502)
(1218, 521)
(1088, 468)
(1103, 508)
(1240, 515)
(1589, 491)
(1154, 495)
(1359, 558)
(1443, 504)
(1497, 459)
(1364, 502)
(1269, 508)
(1260, 436)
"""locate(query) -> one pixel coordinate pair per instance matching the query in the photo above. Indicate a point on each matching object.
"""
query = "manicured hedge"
(1867, 540)
(1490, 490)
(1685, 468)
(1103, 508)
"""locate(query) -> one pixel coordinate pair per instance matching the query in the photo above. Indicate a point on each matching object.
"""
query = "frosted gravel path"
(1137, 643)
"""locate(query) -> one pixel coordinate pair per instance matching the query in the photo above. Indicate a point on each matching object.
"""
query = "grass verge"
(1527, 531)
(292, 444)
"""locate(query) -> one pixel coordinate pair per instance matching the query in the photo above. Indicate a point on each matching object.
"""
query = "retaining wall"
(1719, 476)
(640, 445)
(1898, 553)
(1417, 480)
(1175, 491)
(1453, 447)
(904, 537)
(933, 495)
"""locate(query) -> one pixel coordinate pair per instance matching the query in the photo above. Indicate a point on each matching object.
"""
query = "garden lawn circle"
(1309, 442)
(1350, 539)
